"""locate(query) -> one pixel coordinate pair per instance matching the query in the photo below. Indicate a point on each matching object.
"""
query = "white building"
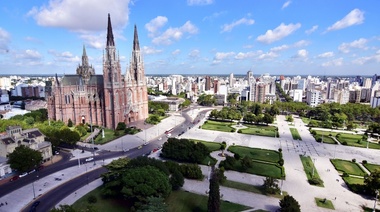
(297, 95)
(313, 97)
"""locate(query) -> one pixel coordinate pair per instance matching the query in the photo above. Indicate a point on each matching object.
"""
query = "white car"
(89, 159)
(23, 174)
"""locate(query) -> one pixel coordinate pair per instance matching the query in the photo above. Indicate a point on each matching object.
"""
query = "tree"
(289, 204)
(214, 194)
(270, 185)
(246, 162)
(176, 180)
(223, 146)
(142, 182)
(121, 126)
(372, 182)
(24, 159)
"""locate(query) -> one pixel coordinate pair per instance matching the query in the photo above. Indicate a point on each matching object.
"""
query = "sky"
(206, 37)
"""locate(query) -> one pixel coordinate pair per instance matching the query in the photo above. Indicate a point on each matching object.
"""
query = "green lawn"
(189, 202)
(295, 134)
(218, 126)
(308, 167)
(177, 201)
(352, 140)
(324, 203)
(355, 184)
(326, 136)
(371, 167)
(348, 167)
(305, 120)
(261, 130)
(109, 135)
(256, 154)
(249, 188)
(212, 146)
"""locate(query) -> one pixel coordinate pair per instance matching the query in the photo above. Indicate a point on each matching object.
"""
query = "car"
(36, 203)
(31, 171)
(96, 148)
(56, 152)
(40, 167)
(14, 178)
(33, 208)
(89, 159)
(139, 147)
(146, 143)
(159, 138)
(23, 174)
(126, 150)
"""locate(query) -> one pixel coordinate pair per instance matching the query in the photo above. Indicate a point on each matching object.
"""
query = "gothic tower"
(85, 70)
(135, 85)
(113, 87)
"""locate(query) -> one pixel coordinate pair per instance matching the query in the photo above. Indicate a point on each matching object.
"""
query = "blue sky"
(323, 37)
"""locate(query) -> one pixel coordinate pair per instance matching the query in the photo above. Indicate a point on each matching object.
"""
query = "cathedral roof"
(77, 79)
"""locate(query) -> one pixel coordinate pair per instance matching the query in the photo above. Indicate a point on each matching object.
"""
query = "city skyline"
(195, 36)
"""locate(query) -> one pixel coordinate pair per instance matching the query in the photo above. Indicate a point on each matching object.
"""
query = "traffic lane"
(49, 200)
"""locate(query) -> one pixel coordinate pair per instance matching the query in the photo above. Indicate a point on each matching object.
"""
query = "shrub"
(232, 130)
(239, 131)
(354, 160)
(345, 174)
(121, 126)
(176, 180)
(237, 156)
(315, 181)
(319, 139)
(69, 123)
(364, 162)
(281, 162)
(191, 171)
(344, 142)
(116, 133)
(279, 150)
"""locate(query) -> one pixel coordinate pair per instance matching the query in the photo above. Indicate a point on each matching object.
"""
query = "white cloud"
(176, 34)
(64, 56)
(176, 52)
(309, 31)
(5, 38)
(219, 56)
(194, 54)
(268, 55)
(336, 62)
(355, 17)
(242, 55)
(229, 27)
(286, 4)
(155, 24)
(369, 59)
(94, 41)
(29, 55)
(214, 16)
(83, 15)
(279, 48)
(278, 33)
(326, 55)
(199, 2)
(301, 43)
(301, 54)
(150, 50)
(358, 44)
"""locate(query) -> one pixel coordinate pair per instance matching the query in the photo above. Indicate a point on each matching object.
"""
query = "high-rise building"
(231, 80)
(208, 83)
(103, 100)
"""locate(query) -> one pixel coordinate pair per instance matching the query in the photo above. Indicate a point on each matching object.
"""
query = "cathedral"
(102, 100)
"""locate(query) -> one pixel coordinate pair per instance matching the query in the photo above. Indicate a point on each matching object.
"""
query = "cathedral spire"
(84, 57)
(84, 51)
(136, 45)
(110, 41)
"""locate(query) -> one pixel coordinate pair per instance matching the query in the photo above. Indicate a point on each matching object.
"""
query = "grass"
(371, 167)
(109, 135)
(264, 162)
(352, 140)
(348, 167)
(249, 188)
(177, 201)
(261, 130)
(256, 154)
(305, 120)
(324, 203)
(308, 167)
(326, 136)
(355, 184)
(212, 146)
(295, 134)
(218, 126)
(188, 202)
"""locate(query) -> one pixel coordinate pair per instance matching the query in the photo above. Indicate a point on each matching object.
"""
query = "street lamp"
(281, 187)
(374, 206)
